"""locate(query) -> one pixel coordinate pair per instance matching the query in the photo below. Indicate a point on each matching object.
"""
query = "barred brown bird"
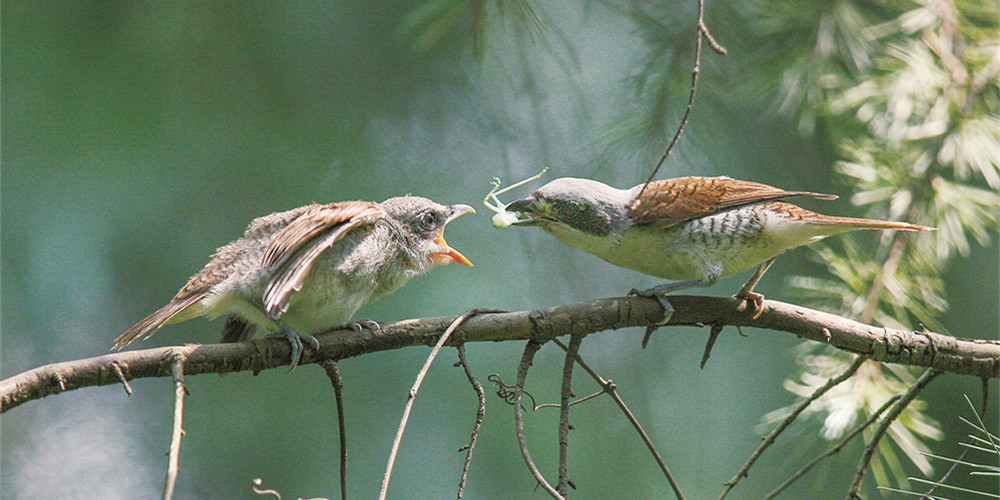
(693, 230)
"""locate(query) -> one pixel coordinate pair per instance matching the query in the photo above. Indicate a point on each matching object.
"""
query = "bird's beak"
(526, 210)
(450, 254)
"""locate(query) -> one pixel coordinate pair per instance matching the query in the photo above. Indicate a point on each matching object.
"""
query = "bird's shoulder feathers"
(293, 250)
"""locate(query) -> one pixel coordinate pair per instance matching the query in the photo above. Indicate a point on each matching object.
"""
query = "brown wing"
(292, 252)
(681, 199)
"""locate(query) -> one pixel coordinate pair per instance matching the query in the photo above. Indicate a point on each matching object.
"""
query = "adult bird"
(692, 230)
(309, 269)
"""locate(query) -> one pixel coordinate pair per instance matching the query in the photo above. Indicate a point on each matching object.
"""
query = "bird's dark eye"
(427, 220)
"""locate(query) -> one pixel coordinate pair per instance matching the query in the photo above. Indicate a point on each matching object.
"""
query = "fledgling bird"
(692, 230)
(309, 269)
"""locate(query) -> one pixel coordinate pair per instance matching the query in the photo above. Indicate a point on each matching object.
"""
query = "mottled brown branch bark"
(979, 358)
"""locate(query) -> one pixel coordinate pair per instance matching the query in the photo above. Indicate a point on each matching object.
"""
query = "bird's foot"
(754, 298)
(295, 340)
(661, 297)
(365, 323)
(668, 310)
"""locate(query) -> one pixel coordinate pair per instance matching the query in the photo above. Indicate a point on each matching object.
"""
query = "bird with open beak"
(309, 269)
(692, 230)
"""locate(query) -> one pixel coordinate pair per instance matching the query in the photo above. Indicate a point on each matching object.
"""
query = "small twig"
(566, 394)
(908, 396)
(610, 388)
(649, 333)
(121, 375)
(834, 450)
(412, 395)
(712, 336)
(333, 372)
(480, 414)
(571, 403)
(177, 372)
(702, 31)
(522, 373)
(773, 435)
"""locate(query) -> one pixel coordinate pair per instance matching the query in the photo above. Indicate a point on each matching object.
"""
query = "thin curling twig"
(333, 372)
(480, 414)
(610, 388)
(564, 402)
(773, 435)
(571, 403)
(173, 462)
(522, 373)
(883, 426)
(412, 395)
(834, 450)
(702, 31)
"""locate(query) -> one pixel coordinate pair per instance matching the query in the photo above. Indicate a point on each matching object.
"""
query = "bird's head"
(422, 224)
(569, 206)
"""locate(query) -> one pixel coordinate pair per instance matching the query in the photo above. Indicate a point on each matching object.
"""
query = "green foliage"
(434, 23)
(985, 449)
(911, 104)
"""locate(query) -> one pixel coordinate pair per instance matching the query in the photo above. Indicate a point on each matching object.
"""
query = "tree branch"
(980, 358)
(565, 399)
(792, 416)
(480, 415)
(173, 462)
(611, 389)
(333, 372)
(911, 393)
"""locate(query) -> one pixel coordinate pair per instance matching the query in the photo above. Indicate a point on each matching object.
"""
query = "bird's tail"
(151, 323)
(826, 225)
(849, 223)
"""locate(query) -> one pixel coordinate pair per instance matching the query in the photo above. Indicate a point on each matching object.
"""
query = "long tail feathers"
(151, 323)
(880, 224)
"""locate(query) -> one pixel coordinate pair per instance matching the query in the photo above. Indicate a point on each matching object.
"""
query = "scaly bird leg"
(659, 293)
(295, 340)
(747, 293)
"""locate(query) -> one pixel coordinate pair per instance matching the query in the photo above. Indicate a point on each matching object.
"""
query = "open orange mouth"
(450, 254)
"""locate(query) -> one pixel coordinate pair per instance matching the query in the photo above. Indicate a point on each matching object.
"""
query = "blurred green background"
(138, 137)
